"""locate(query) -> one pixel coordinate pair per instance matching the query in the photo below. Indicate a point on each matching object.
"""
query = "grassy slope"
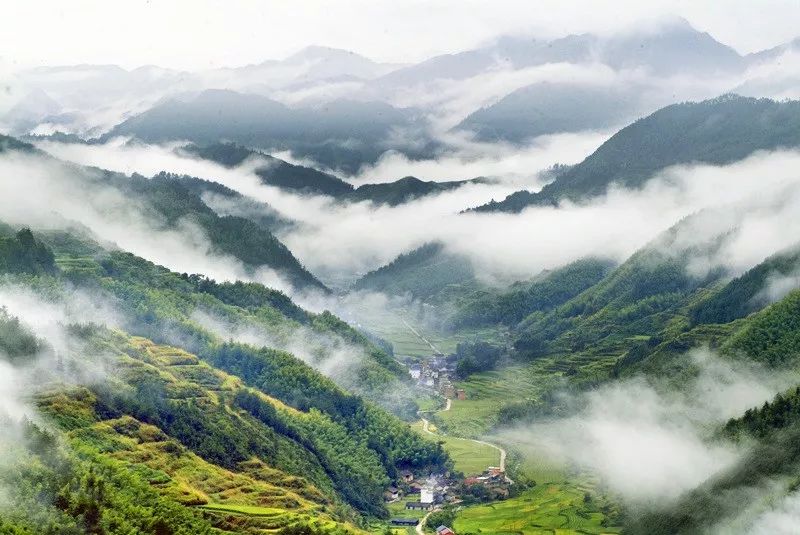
(468, 457)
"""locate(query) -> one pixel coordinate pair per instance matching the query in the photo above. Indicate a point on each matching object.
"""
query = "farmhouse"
(426, 495)
(418, 506)
(391, 494)
(415, 371)
(444, 530)
(461, 394)
(494, 471)
(407, 476)
(404, 521)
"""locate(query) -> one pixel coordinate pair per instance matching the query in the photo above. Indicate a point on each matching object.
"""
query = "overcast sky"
(195, 34)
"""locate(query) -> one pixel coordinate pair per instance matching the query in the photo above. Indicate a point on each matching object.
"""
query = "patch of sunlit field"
(393, 326)
(468, 457)
(398, 508)
(429, 402)
(551, 509)
(489, 392)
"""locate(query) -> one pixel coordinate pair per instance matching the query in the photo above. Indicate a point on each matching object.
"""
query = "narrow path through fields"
(418, 335)
(420, 530)
(502, 451)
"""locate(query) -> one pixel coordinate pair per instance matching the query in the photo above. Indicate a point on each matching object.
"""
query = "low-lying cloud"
(756, 197)
(48, 194)
(652, 442)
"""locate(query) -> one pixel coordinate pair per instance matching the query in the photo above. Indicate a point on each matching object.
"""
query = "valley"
(376, 270)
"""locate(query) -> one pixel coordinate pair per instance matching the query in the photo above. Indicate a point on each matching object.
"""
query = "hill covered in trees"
(718, 131)
(551, 108)
(273, 171)
(219, 433)
(167, 202)
(404, 190)
(422, 273)
(306, 180)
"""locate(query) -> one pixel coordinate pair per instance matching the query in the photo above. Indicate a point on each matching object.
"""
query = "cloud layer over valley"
(338, 241)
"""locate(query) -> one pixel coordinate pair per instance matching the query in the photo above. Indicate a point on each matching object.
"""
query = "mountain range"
(356, 109)
(313, 337)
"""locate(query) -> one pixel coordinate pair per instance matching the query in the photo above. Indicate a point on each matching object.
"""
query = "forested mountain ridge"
(165, 200)
(307, 180)
(324, 135)
(512, 305)
(423, 272)
(550, 108)
(718, 131)
(274, 171)
(225, 201)
(169, 307)
(752, 290)
(640, 296)
(771, 460)
(405, 190)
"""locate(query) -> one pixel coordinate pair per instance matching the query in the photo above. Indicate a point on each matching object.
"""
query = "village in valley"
(436, 374)
(413, 497)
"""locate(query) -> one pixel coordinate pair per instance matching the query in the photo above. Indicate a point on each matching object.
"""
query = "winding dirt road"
(420, 531)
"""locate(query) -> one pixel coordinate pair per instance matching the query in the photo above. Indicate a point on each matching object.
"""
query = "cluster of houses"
(494, 479)
(441, 530)
(432, 492)
(435, 374)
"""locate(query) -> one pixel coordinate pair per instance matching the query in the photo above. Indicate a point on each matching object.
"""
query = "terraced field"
(488, 392)
(561, 502)
(251, 497)
(394, 328)
(552, 509)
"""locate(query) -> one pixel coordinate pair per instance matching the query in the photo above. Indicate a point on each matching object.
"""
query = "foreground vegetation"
(224, 435)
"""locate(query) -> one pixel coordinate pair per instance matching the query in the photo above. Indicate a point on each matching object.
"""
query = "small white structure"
(415, 372)
(426, 495)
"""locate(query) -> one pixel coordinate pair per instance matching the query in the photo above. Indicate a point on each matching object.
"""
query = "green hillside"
(242, 437)
(404, 190)
(638, 298)
(512, 305)
(198, 312)
(225, 201)
(165, 200)
(423, 273)
(747, 293)
(718, 131)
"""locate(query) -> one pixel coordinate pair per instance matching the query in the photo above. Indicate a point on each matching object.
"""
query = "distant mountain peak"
(317, 52)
